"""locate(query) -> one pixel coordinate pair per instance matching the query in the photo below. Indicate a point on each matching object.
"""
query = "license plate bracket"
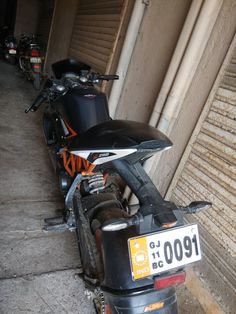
(162, 251)
(12, 51)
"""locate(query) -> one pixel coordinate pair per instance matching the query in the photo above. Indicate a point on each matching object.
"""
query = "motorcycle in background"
(31, 59)
(8, 45)
(132, 256)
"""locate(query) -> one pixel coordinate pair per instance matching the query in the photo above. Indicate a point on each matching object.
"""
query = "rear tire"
(37, 82)
(12, 60)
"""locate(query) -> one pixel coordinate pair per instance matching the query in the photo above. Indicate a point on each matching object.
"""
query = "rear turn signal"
(171, 280)
(153, 307)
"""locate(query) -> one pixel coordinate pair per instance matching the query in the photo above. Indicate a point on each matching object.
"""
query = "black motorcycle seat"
(121, 134)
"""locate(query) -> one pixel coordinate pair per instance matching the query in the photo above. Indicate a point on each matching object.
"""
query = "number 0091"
(162, 251)
(179, 249)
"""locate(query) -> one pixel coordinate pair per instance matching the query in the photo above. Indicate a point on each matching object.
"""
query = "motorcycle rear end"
(132, 256)
(8, 45)
(31, 59)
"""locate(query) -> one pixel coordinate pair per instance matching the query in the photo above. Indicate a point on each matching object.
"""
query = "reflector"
(108, 309)
(171, 280)
(34, 53)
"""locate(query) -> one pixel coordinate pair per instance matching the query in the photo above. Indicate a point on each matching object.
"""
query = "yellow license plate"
(159, 252)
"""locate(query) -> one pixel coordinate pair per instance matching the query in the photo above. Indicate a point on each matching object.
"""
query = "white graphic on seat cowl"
(100, 156)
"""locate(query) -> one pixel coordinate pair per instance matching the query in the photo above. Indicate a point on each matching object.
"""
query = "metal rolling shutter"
(207, 171)
(96, 27)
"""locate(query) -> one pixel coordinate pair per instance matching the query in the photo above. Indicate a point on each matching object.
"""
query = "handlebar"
(36, 104)
(105, 77)
(52, 88)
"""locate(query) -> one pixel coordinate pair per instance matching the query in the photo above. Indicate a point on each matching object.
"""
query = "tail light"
(35, 53)
(171, 280)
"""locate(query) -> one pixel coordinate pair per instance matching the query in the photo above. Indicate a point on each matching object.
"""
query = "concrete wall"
(198, 92)
(8, 13)
(155, 45)
(27, 13)
(158, 36)
(45, 19)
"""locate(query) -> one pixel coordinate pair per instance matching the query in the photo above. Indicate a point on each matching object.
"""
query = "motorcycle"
(8, 45)
(132, 256)
(31, 59)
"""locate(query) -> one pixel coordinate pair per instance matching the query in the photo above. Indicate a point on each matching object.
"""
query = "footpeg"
(58, 227)
(54, 221)
(60, 224)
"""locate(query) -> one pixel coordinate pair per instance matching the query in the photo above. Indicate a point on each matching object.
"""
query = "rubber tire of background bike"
(36, 81)
(12, 60)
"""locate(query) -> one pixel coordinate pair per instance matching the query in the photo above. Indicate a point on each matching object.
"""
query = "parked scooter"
(31, 59)
(132, 256)
(8, 45)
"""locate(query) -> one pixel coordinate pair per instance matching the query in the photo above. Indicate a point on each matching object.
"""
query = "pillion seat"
(121, 134)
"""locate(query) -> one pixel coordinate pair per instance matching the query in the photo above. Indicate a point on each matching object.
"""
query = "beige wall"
(61, 30)
(154, 48)
(198, 92)
(158, 36)
(26, 16)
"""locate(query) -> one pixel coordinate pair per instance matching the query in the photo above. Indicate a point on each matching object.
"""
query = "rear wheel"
(12, 60)
(37, 82)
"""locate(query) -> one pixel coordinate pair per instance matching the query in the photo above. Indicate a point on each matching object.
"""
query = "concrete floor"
(38, 271)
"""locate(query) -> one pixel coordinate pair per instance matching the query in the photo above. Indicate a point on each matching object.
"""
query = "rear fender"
(36, 67)
(146, 301)
(117, 268)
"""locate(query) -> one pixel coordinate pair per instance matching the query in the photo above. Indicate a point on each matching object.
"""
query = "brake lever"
(37, 102)
(28, 109)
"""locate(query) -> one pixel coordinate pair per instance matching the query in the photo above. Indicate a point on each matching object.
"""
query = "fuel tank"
(83, 108)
